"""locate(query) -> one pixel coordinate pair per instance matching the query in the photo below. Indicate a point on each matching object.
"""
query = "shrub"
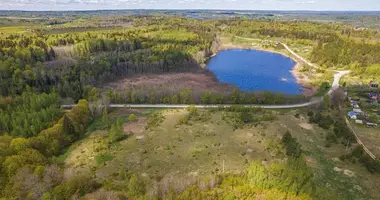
(136, 186)
(19, 144)
(103, 158)
(293, 148)
(154, 119)
(184, 120)
(116, 132)
(79, 185)
(324, 121)
(132, 117)
(359, 154)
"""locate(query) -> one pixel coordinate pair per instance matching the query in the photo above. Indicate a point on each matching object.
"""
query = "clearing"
(196, 81)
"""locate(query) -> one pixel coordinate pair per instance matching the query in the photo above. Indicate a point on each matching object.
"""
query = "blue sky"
(191, 4)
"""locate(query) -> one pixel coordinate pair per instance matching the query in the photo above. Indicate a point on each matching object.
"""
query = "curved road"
(315, 100)
(337, 76)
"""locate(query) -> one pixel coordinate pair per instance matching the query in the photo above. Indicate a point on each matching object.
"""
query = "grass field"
(7, 30)
(370, 136)
(212, 146)
(348, 180)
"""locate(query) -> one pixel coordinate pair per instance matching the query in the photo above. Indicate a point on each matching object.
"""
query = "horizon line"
(177, 9)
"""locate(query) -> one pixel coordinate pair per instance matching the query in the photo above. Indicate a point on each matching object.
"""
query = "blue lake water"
(254, 70)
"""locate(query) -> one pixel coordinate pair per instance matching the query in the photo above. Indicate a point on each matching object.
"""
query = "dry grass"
(370, 137)
(171, 82)
(201, 148)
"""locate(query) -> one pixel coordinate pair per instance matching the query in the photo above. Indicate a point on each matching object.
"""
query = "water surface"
(254, 70)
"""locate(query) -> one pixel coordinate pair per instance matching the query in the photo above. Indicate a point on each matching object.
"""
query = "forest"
(67, 62)
(62, 62)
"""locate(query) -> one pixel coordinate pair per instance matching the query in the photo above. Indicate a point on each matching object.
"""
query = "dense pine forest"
(69, 61)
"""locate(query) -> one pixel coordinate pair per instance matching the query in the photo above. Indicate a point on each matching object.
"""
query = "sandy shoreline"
(307, 89)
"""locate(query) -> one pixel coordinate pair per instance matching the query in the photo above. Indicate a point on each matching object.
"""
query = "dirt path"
(299, 57)
(359, 141)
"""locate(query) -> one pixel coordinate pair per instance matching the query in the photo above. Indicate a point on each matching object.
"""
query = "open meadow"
(212, 143)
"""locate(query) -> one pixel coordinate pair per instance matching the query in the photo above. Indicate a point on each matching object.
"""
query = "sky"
(322, 5)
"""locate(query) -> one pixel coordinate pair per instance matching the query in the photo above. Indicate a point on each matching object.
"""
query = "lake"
(254, 70)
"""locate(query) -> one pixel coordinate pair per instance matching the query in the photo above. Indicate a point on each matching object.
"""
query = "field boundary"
(359, 141)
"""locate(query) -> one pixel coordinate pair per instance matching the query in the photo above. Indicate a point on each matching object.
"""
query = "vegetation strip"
(359, 141)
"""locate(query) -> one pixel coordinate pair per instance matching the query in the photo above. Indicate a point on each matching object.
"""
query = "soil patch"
(306, 126)
(348, 173)
(136, 127)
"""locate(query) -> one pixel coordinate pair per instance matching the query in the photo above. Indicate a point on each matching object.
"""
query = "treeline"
(27, 170)
(359, 155)
(291, 30)
(335, 46)
(27, 114)
(187, 96)
(339, 133)
(347, 52)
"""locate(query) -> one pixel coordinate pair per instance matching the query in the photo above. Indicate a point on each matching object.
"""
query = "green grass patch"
(67, 152)
(103, 158)
(101, 124)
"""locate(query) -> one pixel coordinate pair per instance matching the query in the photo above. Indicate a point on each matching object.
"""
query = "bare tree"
(337, 97)
(52, 176)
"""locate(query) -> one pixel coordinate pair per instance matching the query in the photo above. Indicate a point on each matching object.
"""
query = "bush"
(79, 185)
(116, 132)
(19, 144)
(132, 117)
(154, 119)
(194, 115)
(294, 176)
(103, 158)
(324, 121)
(359, 154)
(136, 186)
(342, 131)
(331, 138)
(183, 120)
(193, 111)
(293, 148)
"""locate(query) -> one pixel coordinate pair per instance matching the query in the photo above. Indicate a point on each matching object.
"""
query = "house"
(354, 104)
(352, 115)
(374, 96)
(358, 121)
(371, 124)
(374, 84)
(357, 110)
